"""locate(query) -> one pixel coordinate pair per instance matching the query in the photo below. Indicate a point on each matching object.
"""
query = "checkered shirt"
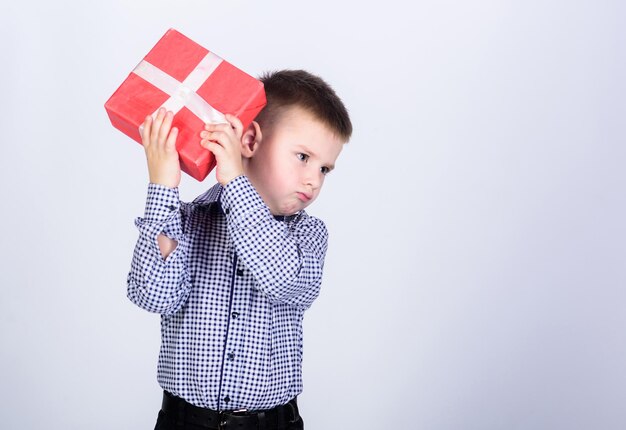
(231, 295)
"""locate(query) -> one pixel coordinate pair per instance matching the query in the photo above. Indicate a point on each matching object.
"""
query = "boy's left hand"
(224, 141)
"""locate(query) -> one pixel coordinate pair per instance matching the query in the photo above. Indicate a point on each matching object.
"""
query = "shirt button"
(231, 356)
(239, 272)
(171, 207)
(227, 211)
(226, 399)
(235, 315)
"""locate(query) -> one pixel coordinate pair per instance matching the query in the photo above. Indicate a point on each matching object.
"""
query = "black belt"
(182, 411)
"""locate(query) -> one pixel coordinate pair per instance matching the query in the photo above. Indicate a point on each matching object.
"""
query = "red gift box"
(194, 83)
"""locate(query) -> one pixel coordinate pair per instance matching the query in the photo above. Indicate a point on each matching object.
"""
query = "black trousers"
(171, 420)
(165, 422)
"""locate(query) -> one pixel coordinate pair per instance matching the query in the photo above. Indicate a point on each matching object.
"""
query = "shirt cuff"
(241, 203)
(162, 203)
(162, 214)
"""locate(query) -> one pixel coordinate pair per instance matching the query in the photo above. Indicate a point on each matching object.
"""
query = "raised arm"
(158, 280)
(286, 258)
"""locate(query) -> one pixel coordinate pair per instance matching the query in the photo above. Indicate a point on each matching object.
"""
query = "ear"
(250, 139)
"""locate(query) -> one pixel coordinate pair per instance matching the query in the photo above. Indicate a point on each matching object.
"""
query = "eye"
(302, 157)
(325, 170)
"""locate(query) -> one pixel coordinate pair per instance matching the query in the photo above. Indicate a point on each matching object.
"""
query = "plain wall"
(476, 271)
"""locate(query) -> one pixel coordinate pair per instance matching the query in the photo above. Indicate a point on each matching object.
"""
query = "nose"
(313, 177)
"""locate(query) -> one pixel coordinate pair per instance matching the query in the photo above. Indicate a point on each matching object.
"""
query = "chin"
(291, 209)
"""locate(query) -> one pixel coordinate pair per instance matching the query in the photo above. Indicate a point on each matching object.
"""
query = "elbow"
(149, 298)
(299, 289)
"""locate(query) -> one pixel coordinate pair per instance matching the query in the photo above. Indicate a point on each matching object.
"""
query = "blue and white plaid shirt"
(231, 295)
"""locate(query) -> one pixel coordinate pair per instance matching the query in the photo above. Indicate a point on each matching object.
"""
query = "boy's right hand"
(159, 143)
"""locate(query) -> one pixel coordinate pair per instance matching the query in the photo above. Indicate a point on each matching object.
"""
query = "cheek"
(321, 185)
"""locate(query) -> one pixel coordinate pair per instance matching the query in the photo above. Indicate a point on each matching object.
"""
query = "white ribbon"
(183, 94)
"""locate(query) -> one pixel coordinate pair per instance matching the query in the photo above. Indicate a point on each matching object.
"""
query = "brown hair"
(290, 88)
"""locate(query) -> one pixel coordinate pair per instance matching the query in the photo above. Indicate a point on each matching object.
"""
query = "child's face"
(289, 166)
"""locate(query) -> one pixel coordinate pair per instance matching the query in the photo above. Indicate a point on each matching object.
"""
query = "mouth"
(304, 197)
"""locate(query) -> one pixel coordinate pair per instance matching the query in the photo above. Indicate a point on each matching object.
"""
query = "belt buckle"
(221, 421)
(221, 425)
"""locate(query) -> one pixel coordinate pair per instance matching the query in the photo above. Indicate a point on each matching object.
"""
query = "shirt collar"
(286, 218)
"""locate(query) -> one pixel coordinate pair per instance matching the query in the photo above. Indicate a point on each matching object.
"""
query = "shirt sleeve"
(156, 284)
(286, 258)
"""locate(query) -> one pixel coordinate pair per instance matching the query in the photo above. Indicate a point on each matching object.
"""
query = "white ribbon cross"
(183, 94)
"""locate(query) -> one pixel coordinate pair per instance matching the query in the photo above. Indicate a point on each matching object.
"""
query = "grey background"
(475, 277)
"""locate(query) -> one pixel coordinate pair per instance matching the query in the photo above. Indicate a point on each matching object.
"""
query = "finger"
(170, 144)
(145, 130)
(219, 137)
(235, 124)
(156, 125)
(215, 148)
(217, 126)
(223, 133)
(166, 125)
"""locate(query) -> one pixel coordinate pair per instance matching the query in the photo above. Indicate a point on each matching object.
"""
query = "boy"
(233, 272)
